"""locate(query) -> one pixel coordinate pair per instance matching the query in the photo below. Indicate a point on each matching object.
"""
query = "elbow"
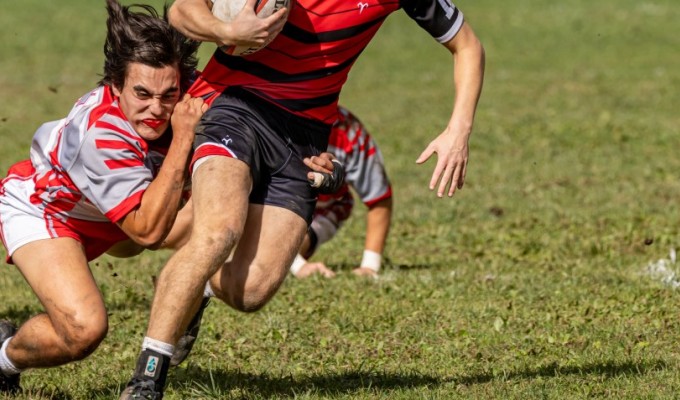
(149, 240)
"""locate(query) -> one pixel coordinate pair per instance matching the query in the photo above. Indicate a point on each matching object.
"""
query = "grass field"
(539, 280)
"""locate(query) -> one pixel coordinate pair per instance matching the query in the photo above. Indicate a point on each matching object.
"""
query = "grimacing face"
(148, 98)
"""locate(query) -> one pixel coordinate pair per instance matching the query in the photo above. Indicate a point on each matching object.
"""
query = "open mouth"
(153, 123)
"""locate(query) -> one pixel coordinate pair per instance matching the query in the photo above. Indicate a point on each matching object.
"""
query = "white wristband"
(297, 264)
(371, 260)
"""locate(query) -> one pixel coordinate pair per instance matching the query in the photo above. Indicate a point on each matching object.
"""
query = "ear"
(116, 91)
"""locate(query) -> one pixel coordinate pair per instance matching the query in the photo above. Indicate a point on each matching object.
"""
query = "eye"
(142, 95)
(169, 97)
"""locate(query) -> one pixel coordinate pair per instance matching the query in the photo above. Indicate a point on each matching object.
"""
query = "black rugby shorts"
(271, 140)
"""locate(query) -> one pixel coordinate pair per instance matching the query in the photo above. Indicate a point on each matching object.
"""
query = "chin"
(148, 133)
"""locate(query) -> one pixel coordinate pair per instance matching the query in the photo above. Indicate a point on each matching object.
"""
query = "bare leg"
(75, 321)
(260, 264)
(220, 202)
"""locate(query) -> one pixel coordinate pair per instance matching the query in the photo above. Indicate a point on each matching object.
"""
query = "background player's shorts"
(330, 214)
(272, 141)
(22, 222)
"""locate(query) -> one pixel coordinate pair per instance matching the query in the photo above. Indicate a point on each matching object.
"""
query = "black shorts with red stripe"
(271, 140)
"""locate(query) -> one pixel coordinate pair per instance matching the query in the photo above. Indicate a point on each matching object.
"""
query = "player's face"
(148, 98)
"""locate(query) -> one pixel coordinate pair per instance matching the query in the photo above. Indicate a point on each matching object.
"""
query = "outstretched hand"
(452, 158)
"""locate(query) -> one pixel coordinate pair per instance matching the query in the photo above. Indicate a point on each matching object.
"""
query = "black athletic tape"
(333, 182)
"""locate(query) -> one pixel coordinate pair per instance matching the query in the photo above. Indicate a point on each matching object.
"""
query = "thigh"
(270, 241)
(220, 188)
(57, 271)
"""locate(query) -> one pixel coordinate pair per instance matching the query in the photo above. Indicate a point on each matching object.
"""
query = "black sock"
(153, 365)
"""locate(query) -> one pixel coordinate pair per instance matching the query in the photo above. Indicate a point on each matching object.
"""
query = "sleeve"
(364, 163)
(110, 171)
(440, 18)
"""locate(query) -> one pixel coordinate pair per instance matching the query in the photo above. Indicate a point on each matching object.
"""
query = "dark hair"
(145, 38)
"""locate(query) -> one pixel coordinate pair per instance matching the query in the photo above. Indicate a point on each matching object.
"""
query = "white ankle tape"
(156, 345)
(6, 366)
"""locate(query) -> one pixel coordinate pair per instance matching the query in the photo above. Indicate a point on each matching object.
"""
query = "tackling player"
(94, 180)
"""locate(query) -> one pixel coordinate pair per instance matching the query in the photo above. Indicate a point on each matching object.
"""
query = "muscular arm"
(194, 19)
(151, 221)
(451, 145)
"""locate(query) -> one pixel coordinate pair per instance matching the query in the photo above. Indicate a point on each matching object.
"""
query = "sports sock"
(6, 365)
(208, 292)
(163, 348)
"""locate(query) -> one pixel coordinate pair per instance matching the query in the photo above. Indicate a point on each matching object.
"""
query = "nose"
(156, 107)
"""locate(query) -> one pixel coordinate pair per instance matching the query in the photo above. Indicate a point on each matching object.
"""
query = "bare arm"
(451, 145)
(152, 220)
(378, 219)
(194, 19)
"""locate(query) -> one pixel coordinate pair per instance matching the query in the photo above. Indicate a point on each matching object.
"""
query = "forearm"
(378, 219)
(195, 20)
(151, 222)
(469, 62)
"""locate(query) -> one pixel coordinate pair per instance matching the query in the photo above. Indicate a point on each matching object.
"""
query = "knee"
(214, 246)
(252, 297)
(82, 336)
(250, 303)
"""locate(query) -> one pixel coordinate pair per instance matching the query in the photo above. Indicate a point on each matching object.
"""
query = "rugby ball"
(226, 10)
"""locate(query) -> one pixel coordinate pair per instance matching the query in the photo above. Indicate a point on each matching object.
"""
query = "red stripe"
(102, 107)
(117, 145)
(124, 208)
(124, 163)
(387, 195)
(260, 5)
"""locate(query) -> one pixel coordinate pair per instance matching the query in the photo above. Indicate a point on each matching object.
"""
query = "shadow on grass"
(606, 369)
(351, 382)
(18, 315)
(329, 385)
(326, 385)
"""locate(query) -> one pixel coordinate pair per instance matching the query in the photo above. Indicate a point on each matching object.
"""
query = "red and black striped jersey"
(304, 68)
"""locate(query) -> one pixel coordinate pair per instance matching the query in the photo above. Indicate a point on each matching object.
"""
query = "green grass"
(531, 283)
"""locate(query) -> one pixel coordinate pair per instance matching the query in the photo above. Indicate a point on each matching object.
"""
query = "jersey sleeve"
(110, 171)
(364, 165)
(440, 18)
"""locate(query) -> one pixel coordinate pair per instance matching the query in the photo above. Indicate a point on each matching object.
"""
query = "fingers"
(250, 5)
(436, 174)
(425, 155)
(277, 18)
(319, 163)
(315, 179)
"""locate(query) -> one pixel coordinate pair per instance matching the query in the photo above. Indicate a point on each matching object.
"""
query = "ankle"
(152, 365)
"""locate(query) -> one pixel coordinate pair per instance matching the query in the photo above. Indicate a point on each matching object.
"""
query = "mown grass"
(533, 282)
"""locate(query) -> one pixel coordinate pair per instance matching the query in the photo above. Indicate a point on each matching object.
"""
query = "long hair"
(146, 38)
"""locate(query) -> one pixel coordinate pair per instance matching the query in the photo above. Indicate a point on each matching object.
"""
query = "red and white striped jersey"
(89, 166)
(352, 145)
(365, 171)
(304, 68)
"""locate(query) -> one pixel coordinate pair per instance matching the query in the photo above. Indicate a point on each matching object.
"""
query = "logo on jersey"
(226, 140)
(362, 6)
(151, 365)
(448, 7)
